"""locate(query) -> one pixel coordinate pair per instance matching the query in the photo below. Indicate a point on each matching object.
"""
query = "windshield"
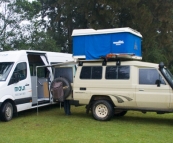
(5, 68)
(168, 74)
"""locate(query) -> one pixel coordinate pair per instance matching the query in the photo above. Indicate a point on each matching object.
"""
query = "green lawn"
(52, 126)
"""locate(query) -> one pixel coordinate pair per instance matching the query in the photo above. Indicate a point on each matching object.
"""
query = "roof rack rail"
(122, 56)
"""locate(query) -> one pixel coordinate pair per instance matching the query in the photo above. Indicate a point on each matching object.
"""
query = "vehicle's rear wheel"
(102, 110)
(6, 112)
(119, 113)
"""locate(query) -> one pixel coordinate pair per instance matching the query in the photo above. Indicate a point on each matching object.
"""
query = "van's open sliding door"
(39, 78)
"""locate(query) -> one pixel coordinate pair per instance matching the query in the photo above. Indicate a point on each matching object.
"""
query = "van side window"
(91, 72)
(21, 70)
(149, 76)
(117, 72)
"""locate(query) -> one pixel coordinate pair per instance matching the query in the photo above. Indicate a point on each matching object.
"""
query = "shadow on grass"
(144, 120)
(34, 110)
(80, 113)
(140, 120)
(55, 110)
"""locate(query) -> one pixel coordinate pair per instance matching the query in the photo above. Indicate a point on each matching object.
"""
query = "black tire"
(67, 91)
(102, 110)
(6, 112)
(119, 113)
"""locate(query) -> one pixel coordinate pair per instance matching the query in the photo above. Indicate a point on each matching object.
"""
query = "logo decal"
(3, 55)
(119, 98)
(118, 43)
(19, 88)
(135, 46)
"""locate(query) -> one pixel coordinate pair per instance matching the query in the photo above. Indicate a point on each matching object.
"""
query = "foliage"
(153, 19)
(52, 22)
(21, 28)
(11, 17)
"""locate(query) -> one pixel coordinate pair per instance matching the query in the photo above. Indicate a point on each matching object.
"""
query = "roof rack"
(118, 57)
(122, 56)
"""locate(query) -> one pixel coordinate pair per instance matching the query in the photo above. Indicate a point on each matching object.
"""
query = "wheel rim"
(8, 112)
(101, 110)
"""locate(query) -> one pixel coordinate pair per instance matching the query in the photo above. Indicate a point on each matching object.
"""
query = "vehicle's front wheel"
(6, 112)
(102, 110)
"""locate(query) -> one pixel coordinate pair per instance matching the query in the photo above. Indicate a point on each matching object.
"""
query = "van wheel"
(119, 113)
(6, 111)
(102, 110)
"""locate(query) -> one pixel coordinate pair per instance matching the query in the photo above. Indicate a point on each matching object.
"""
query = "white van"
(22, 85)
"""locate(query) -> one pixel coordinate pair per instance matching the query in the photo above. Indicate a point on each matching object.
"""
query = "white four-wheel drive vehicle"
(110, 88)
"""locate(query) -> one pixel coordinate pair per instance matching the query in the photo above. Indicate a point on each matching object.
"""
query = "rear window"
(117, 72)
(91, 72)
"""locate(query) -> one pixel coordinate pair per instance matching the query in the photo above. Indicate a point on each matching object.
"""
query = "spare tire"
(66, 86)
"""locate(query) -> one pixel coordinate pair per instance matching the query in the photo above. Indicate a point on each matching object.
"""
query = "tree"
(11, 16)
(153, 19)
(21, 27)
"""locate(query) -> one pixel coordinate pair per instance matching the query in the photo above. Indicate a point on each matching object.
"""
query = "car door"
(149, 95)
(21, 83)
(88, 83)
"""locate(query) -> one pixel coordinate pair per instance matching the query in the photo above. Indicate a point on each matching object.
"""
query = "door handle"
(26, 84)
(82, 88)
(141, 89)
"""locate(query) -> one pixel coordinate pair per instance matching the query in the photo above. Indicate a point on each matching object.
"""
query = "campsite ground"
(52, 126)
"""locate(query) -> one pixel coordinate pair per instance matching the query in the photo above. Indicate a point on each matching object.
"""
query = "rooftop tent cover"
(92, 44)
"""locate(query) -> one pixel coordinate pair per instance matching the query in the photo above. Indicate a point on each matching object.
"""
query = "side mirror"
(158, 82)
(16, 77)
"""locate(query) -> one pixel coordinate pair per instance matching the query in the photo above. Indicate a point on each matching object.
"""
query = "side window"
(149, 76)
(91, 72)
(21, 70)
(117, 72)
(111, 72)
(123, 72)
(85, 73)
(96, 73)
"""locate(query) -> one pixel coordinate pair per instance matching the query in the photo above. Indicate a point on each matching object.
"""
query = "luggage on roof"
(93, 44)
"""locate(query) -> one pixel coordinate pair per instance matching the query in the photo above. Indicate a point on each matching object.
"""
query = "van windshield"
(5, 68)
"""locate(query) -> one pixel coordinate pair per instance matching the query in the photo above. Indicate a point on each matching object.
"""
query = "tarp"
(98, 44)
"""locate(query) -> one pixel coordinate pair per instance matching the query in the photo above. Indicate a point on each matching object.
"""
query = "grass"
(52, 126)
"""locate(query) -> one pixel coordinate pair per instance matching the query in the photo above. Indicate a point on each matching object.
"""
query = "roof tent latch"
(104, 62)
(80, 63)
(118, 63)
